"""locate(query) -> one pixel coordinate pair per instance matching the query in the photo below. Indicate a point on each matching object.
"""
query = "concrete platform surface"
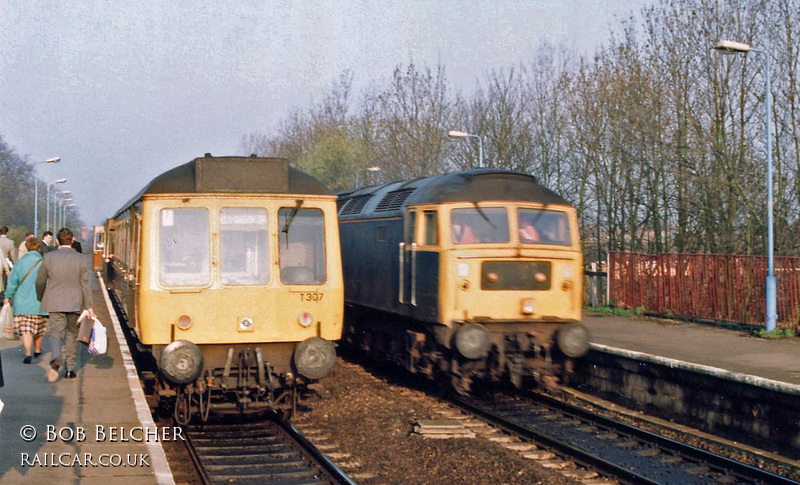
(730, 350)
(95, 428)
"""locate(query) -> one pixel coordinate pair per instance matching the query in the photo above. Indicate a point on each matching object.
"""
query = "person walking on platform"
(64, 287)
(21, 250)
(6, 252)
(30, 321)
(47, 241)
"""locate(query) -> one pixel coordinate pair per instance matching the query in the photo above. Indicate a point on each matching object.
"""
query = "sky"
(123, 90)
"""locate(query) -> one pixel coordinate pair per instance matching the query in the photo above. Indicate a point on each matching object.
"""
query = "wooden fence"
(720, 288)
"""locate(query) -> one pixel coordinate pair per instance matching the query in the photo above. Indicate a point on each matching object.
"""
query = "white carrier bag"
(99, 342)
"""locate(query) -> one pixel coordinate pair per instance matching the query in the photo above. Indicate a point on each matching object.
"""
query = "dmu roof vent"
(393, 200)
(353, 206)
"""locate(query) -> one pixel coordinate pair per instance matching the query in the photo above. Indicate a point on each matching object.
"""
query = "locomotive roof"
(233, 175)
(468, 186)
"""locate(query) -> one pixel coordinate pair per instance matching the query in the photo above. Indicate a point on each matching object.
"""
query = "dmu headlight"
(472, 341)
(181, 362)
(314, 358)
(573, 340)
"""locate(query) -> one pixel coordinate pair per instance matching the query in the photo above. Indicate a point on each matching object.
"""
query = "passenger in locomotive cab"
(462, 233)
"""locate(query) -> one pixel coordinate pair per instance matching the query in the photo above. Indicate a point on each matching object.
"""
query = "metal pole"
(36, 204)
(772, 313)
(480, 151)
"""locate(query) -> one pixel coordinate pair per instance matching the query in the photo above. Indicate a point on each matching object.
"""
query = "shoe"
(70, 374)
(52, 374)
(27, 359)
(36, 355)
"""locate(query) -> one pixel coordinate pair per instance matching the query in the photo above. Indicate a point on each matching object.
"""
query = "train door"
(408, 254)
(98, 242)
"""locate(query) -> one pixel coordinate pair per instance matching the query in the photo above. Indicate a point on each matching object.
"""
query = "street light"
(64, 212)
(368, 169)
(463, 134)
(61, 211)
(730, 47)
(59, 181)
(65, 193)
(36, 193)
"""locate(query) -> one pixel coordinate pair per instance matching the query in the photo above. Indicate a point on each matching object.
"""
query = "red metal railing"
(714, 287)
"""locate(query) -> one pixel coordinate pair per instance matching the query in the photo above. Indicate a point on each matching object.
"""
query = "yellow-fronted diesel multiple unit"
(229, 273)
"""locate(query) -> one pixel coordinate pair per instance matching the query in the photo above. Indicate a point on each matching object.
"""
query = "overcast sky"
(124, 90)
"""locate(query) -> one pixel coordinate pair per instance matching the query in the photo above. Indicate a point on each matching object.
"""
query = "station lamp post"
(463, 134)
(36, 194)
(60, 213)
(47, 201)
(64, 213)
(730, 47)
(368, 169)
(64, 193)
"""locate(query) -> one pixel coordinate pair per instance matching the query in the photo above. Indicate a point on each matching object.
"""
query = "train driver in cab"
(527, 231)
(461, 232)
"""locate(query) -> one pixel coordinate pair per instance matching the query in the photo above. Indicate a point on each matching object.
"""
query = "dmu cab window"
(243, 250)
(301, 246)
(184, 247)
(479, 225)
(537, 226)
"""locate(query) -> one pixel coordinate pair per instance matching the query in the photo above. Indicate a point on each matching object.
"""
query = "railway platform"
(706, 349)
(94, 429)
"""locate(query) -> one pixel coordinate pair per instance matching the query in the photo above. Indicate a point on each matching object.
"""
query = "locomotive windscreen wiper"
(485, 217)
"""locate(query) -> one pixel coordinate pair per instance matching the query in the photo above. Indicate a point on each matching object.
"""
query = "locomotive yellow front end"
(239, 292)
(511, 289)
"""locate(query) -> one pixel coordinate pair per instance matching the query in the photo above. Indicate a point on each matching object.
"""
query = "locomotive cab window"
(431, 228)
(537, 226)
(479, 225)
(244, 254)
(302, 246)
(184, 247)
(411, 226)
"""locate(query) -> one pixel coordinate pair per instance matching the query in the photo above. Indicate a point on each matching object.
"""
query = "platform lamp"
(64, 193)
(60, 213)
(36, 193)
(64, 212)
(59, 181)
(463, 134)
(368, 169)
(730, 47)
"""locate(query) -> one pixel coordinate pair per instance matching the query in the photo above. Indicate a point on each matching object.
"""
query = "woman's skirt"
(35, 324)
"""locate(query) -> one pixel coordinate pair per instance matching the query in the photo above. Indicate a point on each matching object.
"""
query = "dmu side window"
(479, 225)
(538, 226)
(243, 249)
(183, 240)
(301, 246)
(431, 229)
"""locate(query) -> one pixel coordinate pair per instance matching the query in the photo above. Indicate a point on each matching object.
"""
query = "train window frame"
(410, 227)
(286, 222)
(471, 217)
(540, 230)
(264, 273)
(166, 218)
(430, 235)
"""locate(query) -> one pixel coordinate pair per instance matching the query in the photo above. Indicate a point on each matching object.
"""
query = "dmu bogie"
(228, 272)
(473, 276)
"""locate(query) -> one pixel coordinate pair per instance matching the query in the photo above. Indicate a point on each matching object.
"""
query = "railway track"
(258, 453)
(615, 450)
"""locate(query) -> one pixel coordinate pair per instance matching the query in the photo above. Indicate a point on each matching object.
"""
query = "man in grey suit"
(64, 287)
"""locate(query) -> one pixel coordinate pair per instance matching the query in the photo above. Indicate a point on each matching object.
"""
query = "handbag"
(9, 331)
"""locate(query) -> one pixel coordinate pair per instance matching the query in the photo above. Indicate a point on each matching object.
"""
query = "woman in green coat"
(30, 321)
